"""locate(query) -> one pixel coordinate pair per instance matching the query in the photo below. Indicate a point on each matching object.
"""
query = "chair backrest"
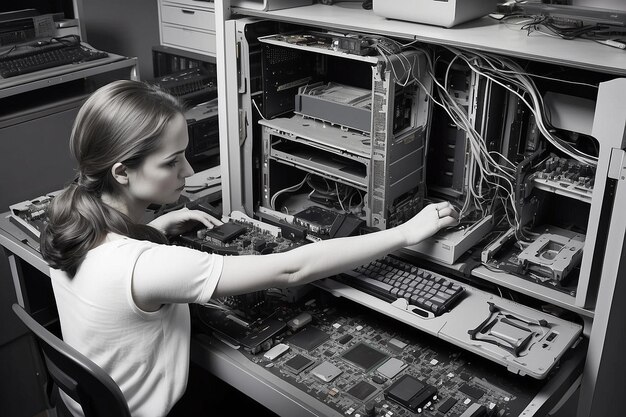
(76, 375)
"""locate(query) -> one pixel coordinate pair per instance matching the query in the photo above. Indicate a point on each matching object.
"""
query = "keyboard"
(49, 56)
(391, 279)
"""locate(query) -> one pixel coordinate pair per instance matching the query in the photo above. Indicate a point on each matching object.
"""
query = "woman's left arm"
(180, 221)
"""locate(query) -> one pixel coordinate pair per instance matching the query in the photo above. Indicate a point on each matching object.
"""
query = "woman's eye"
(172, 163)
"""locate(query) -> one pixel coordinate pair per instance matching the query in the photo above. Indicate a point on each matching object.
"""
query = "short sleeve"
(176, 274)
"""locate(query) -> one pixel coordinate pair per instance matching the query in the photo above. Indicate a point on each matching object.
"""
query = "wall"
(606, 4)
(129, 28)
(34, 159)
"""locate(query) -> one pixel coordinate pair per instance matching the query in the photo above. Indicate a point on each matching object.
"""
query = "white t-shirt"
(146, 353)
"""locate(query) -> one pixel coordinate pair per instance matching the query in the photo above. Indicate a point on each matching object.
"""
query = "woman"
(121, 291)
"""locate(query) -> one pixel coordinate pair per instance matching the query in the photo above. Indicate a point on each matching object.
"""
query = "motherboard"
(362, 363)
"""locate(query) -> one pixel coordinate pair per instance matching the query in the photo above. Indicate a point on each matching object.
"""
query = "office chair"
(77, 376)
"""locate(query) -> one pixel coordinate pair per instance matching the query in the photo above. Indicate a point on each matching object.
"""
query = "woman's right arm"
(242, 274)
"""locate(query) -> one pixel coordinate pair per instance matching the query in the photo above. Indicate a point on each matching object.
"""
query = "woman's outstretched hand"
(180, 221)
(429, 221)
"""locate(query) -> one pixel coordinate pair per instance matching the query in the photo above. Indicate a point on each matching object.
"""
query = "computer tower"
(341, 125)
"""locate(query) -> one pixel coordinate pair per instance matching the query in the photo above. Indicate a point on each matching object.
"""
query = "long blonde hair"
(120, 122)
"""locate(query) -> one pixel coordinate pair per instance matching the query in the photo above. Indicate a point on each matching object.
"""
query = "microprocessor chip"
(391, 368)
(364, 356)
(411, 393)
(362, 390)
(326, 371)
(475, 393)
(298, 364)
(447, 405)
(225, 232)
(309, 338)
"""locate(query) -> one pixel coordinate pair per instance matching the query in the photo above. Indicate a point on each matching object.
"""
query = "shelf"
(322, 163)
(170, 50)
(275, 40)
(485, 34)
(65, 73)
(532, 289)
(322, 135)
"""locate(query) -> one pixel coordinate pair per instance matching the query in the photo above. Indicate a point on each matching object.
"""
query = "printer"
(269, 5)
(446, 13)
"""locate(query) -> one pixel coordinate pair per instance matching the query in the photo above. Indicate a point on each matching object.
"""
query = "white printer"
(446, 13)
(269, 5)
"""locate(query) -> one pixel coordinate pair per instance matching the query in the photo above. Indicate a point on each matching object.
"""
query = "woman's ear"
(118, 170)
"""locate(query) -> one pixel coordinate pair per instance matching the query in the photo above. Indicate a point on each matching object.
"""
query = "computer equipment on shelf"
(332, 141)
(269, 4)
(30, 216)
(450, 244)
(193, 85)
(578, 15)
(197, 88)
(345, 106)
(203, 128)
(42, 55)
(434, 12)
(25, 25)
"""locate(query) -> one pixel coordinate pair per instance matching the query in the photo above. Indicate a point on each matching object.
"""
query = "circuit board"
(239, 237)
(566, 177)
(31, 215)
(361, 363)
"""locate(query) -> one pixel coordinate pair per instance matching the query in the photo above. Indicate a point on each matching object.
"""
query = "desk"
(236, 368)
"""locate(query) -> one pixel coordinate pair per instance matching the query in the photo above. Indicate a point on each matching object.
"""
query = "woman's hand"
(181, 221)
(429, 221)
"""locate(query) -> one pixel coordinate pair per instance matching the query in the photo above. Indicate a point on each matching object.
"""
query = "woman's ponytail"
(121, 122)
(75, 225)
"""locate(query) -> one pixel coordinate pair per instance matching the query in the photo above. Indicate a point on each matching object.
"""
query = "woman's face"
(161, 177)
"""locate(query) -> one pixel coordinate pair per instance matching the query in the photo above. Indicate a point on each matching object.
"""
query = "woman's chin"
(172, 200)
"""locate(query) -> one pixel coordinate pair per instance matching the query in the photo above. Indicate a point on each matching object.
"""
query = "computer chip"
(447, 405)
(364, 356)
(411, 393)
(326, 371)
(224, 233)
(309, 338)
(391, 368)
(298, 364)
(475, 393)
(396, 345)
(362, 390)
